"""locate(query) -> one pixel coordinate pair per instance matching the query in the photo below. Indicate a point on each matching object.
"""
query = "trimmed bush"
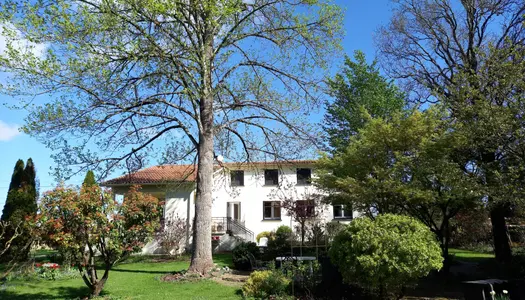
(266, 284)
(386, 254)
(241, 255)
(267, 234)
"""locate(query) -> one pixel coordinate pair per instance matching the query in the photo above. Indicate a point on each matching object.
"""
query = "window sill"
(272, 220)
(270, 185)
(343, 219)
(303, 184)
(237, 185)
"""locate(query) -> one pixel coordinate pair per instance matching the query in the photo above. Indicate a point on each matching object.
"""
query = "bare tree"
(428, 42)
(432, 46)
(172, 236)
(130, 81)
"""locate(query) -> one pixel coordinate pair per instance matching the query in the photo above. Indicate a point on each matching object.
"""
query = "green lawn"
(470, 256)
(133, 280)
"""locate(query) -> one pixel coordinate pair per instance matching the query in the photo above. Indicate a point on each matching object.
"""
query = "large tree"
(21, 202)
(406, 165)
(430, 46)
(358, 86)
(135, 80)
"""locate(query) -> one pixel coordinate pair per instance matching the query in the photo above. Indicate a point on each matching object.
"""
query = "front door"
(234, 210)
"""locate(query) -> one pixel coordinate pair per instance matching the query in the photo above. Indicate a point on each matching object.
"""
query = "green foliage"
(89, 222)
(241, 255)
(404, 165)
(283, 231)
(386, 254)
(358, 89)
(89, 180)
(266, 234)
(19, 205)
(266, 284)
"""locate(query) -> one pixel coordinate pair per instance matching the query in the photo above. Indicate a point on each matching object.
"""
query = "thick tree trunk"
(500, 233)
(201, 259)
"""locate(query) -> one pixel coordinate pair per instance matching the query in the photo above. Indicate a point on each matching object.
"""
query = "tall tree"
(428, 44)
(89, 180)
(406, 166)
(358, 86)
(21, 202)
(134, 79)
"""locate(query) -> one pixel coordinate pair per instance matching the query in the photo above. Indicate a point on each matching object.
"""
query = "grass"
(128, 280)
(470, 256)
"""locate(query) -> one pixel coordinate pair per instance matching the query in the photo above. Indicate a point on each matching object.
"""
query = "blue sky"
(362, 18)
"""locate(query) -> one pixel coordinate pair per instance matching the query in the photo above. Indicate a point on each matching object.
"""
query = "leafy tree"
(359, 86)
(89, 180)
(89, 223)
(139, 80)
(429, 44)
(405, 166)
(20, 204)
(386, 254)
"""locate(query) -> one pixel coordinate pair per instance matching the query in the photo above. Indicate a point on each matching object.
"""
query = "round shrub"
(266, 284)
(241, 255)
(283, 231)
(386, 254)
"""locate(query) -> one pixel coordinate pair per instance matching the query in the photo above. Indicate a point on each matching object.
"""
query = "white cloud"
(20, 43)
(8, 131)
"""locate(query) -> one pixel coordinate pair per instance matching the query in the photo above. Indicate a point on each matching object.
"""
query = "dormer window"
(237, 178)
(304, 176)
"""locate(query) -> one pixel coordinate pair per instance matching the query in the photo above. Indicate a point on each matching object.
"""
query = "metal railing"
(221, 225)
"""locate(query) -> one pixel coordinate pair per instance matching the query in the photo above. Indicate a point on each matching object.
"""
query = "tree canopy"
(405, 165)
(359, 86)
(133, 81)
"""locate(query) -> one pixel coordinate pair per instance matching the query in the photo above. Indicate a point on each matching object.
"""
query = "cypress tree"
(89, 180)
(21, 203)
(16, 182)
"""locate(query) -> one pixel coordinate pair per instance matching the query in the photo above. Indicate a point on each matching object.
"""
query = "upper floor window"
(304, 176)
(271, 177)
(305, 208)
(342, 212)
(237, 178)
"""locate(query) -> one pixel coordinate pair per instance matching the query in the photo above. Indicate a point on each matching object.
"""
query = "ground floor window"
(342, 212)
(305, 208)
(271, 210)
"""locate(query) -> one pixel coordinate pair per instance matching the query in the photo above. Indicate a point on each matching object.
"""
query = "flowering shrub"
(172, 237)
(89, 222)
(49, 271)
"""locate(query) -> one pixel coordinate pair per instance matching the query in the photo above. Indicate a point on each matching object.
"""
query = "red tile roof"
(186, 173)
(157, 175)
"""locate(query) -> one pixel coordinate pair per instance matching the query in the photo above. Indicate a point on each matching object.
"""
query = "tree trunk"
(500, 233)
(201, 259)
(97, 287)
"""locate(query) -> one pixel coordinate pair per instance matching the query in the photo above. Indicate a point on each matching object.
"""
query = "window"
(305, 208)
(237, 178)
(271, 210)
(342, 212)
(304, 176)
(271, 177)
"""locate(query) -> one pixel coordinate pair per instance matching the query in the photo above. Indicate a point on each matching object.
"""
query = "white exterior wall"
(254, 192)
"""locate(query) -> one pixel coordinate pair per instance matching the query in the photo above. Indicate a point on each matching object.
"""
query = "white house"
(247, 197)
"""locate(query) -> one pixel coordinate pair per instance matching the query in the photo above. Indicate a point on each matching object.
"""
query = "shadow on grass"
(139, 271)
(223, 259)
(11, 292)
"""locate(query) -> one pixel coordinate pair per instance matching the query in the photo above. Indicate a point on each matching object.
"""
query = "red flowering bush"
(89, 223)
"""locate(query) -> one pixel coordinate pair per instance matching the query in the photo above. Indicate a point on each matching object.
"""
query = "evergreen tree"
(21, 202)
(89, 180)
(357, 88)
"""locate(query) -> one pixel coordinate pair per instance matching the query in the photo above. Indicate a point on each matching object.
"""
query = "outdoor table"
(309, 259)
